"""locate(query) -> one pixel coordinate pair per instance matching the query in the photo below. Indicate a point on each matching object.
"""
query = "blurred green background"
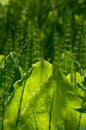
(47, 28)
(4, 2)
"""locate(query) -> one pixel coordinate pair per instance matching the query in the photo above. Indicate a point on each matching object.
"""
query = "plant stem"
(22, 97)
(50, 117)
(34, 117)
(20, 104)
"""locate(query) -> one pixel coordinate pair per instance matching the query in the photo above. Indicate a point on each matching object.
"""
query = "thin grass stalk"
(34, 117)
(50, 115)
(83, 47)
(77, 42)
(36, 48)
(76, 50)
(9, 44)
(27, 48)
(17, 120)
(22, 93)
(56, 49)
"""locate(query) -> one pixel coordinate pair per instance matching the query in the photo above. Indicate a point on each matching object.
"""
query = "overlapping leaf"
(9, 74)
(65, 100)
(33, 99)
(33, 113)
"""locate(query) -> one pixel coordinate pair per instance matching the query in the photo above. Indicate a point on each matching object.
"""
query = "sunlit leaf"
(64, 104)
(35, 87)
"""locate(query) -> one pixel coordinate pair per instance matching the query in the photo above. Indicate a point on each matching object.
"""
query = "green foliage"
(42, 65)
(42, 97)
(32, 99)
(9, 74)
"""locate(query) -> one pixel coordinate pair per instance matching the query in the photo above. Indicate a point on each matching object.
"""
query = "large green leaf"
(33, 112)
(63, 114)
(33, 99)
